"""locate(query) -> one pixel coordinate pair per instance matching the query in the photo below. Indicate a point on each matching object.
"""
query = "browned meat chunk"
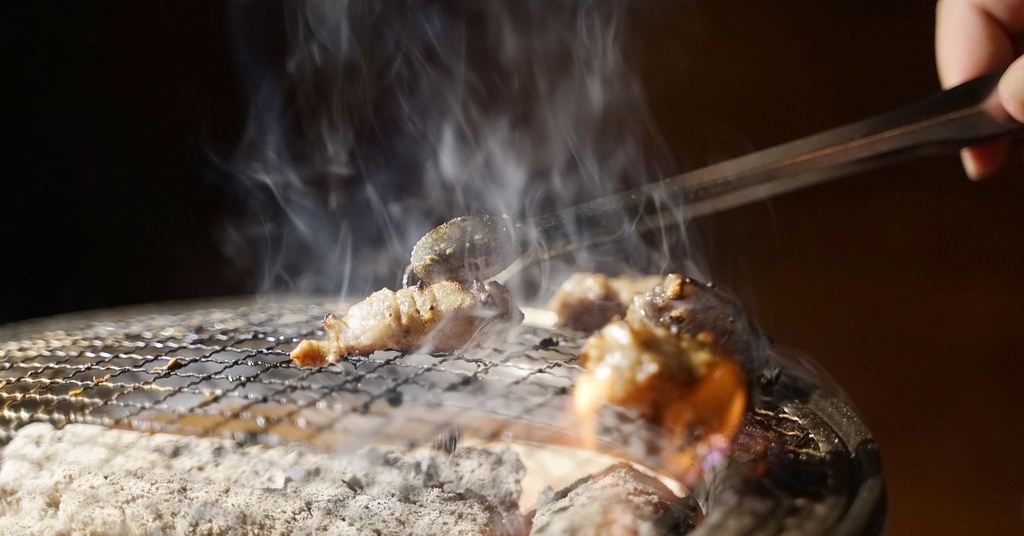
(586, 301)
(680, 380)
(441, 317)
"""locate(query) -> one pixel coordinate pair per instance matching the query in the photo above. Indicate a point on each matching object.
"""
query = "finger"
(973, 37)
(981, 161)
(1011, 90)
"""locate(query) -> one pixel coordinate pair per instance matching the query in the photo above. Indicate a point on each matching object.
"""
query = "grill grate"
(226, 372)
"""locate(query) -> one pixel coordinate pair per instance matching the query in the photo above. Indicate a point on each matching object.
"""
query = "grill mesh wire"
(226, 372)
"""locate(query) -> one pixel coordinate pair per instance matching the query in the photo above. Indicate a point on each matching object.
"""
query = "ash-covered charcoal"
(496, 473)
(441, 317)
(85, 479)
(617, 501)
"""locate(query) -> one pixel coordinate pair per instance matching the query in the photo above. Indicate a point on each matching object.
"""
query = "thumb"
(1011, 89)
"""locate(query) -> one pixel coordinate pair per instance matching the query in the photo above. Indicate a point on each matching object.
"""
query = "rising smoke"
(376, 121)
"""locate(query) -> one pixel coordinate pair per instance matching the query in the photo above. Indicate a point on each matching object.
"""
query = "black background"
(117, 117)
(904, 283)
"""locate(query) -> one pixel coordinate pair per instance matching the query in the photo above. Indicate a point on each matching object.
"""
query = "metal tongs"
(482, 246)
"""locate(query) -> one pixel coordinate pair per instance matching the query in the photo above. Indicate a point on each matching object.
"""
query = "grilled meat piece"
(587, 301)
(681, 380)
(441, 317)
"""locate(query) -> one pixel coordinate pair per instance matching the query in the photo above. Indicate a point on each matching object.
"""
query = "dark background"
(904, 283)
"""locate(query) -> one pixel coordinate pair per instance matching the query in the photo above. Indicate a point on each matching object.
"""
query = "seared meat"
(586, 301)
(681, 380)
(432, 318)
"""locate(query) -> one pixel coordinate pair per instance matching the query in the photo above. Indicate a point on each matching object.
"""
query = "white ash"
(617, 501)
(85, 479)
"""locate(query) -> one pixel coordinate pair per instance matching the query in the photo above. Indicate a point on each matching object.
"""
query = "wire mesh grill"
(226, 372)
(802, 459)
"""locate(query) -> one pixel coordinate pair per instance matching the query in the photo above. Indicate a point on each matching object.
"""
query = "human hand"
(973, 37)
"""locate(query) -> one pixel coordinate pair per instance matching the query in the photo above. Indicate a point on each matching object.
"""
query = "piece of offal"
(674, 377)
(437, 318)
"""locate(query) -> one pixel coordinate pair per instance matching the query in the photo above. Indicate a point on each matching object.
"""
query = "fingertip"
(970, 166)
(983, 161)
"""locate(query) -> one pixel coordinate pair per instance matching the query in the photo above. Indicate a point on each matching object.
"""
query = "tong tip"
(466, 248)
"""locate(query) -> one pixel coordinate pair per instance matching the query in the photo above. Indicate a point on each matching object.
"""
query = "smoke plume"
(373, 122)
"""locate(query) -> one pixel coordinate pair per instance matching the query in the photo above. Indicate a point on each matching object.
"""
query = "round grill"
(802, 461)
